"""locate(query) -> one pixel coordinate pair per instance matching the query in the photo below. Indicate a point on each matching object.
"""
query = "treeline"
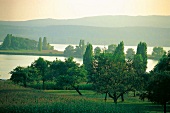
(79, 51)
(70, 51)
(15, 43)
(43, 45)
(18, 43)
(108, 72)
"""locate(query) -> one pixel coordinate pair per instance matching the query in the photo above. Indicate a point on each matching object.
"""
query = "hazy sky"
(64, 9)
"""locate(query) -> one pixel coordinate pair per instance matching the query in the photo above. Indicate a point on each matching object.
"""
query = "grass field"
(17, 99)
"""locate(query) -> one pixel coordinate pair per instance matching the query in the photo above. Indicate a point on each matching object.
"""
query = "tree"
(97, 51)
(130, 53)
(158, 52)
(140, 65)
(42, 66)
(111, 77)
(45, 45)
(111, 48)
(158, 89)
(77, 52)
(142, 49)
(69, 51)
(40, 44)
(23, 75)
(7, 41)
(68, 73)
(119, 55)
(80, 49)
(88, 59)
(16, 43)
(139, 70)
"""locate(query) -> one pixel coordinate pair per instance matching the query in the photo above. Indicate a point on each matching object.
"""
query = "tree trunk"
(122, 97)
(165, 107)
(77, 89)
(134, 93)
(105, 97)
(43, 84)
(114, 97)
(25, 82)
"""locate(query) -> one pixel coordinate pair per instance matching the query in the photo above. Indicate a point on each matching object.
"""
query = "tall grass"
(16, 99)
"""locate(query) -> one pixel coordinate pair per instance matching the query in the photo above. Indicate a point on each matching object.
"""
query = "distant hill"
(154, 30)
(99, 21)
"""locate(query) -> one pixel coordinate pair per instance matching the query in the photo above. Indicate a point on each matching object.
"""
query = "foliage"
(138, 64)
(44, 46)
(163, 64)
(40, 44)
(77, 52)
(158, 52)
(119, 55)
(69, 51)
(43, 69)
(97, 51)
(158, 89)
(111, 48)
(68, 73)
(130, 53)
(142, 49)
(88, 60)
(23, 75)
(17, 43)
(112, 77)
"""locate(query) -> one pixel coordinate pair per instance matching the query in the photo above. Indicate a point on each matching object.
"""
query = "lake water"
(9, 62)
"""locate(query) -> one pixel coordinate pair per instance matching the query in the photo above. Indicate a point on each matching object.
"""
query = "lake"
(9, 62)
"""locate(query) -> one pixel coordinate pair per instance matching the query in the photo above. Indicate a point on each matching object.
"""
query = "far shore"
(42, 53)
(32, 52)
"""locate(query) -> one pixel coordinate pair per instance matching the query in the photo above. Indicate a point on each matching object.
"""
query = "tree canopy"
(68, 73)
(70, 51)
(130, 53)
(158, 89)
(158, 52)
(17, 43)
(142, 50)
(88, 59)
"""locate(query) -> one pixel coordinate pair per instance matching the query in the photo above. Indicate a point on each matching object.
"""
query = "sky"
(21, 10)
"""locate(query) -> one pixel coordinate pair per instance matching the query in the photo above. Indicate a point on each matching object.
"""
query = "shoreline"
(32, 53)
(44, 53)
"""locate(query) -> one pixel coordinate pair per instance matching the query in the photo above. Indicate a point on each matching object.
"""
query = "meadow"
(16, 99)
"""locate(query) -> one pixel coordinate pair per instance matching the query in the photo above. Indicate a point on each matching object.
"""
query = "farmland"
(17, 99)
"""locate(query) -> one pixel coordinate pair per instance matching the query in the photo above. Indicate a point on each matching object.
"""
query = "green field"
(17, 99)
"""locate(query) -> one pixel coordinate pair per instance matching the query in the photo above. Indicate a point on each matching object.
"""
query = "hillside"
(99, 21)
(154, 30)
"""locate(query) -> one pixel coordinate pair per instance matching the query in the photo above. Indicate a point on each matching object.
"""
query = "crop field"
(17, 99)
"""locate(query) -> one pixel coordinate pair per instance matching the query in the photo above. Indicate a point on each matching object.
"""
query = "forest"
(19, 43)
(108, 72)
